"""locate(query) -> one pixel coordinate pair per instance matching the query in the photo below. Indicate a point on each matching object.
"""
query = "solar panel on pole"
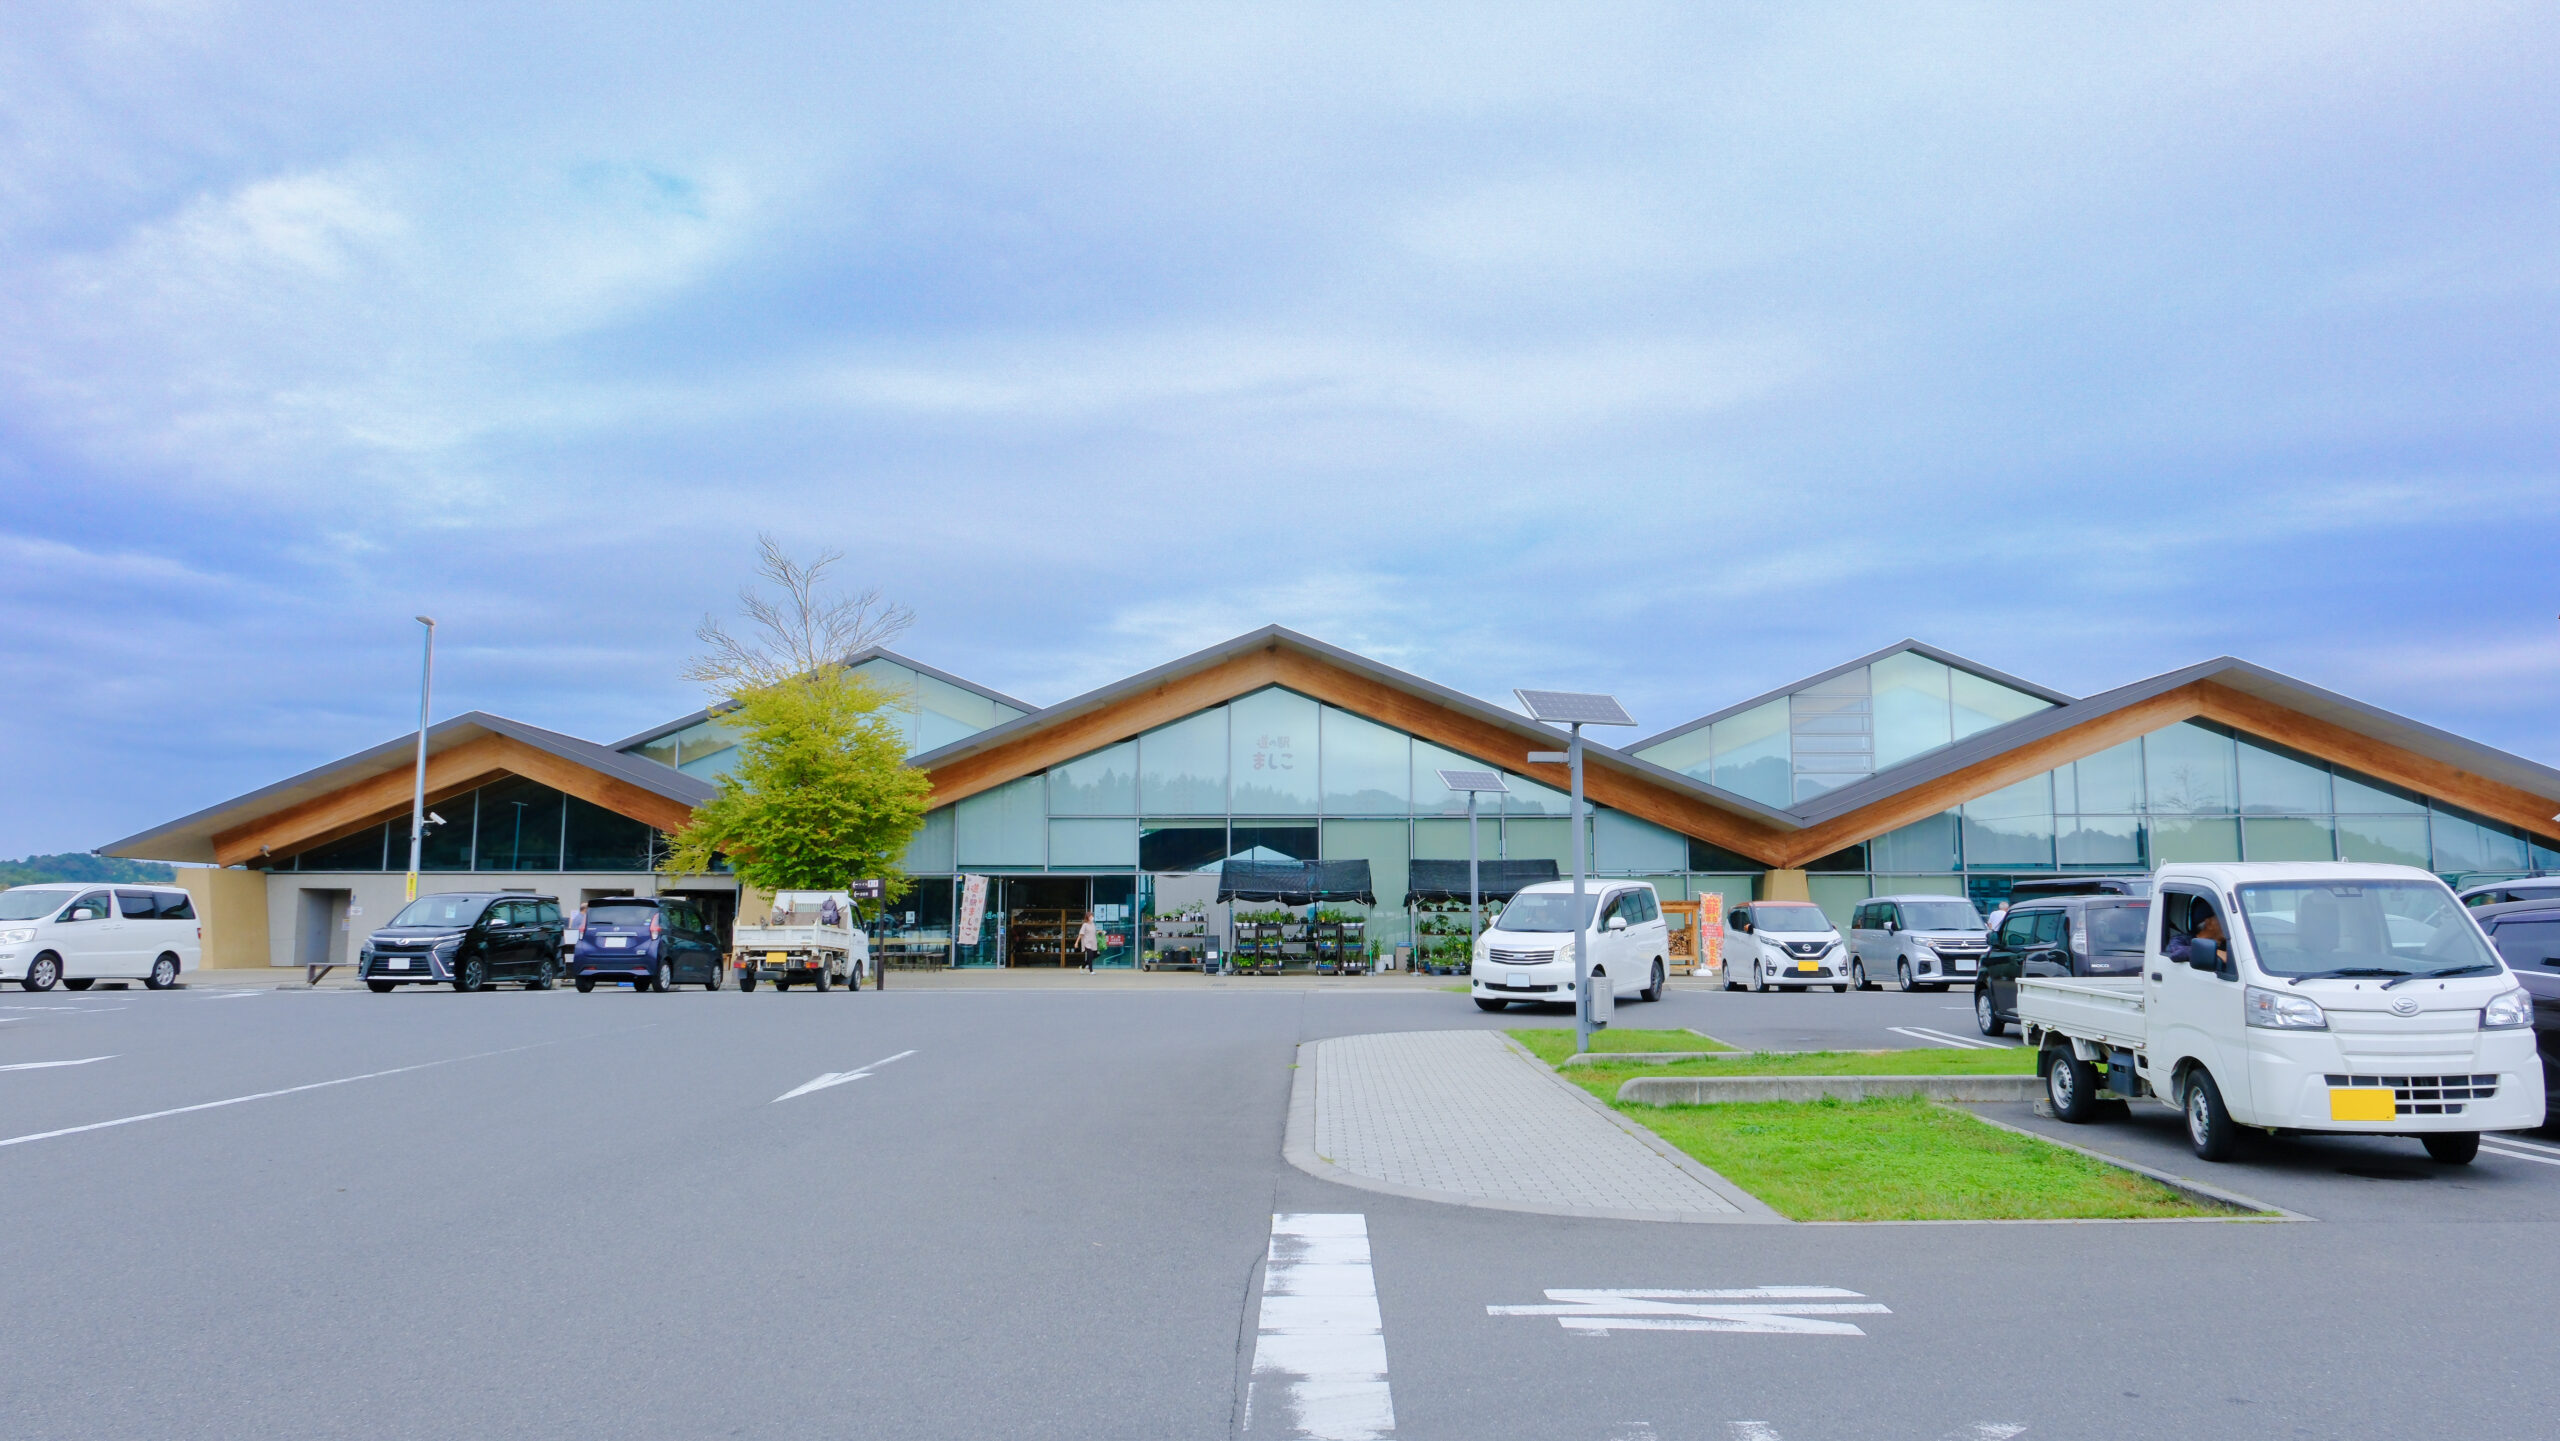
(1474, 783)
(1571, 707)
(1574, 710)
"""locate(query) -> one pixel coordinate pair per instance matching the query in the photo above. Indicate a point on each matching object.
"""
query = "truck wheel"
(746, 980)
(782, 982)
(2209, 1128)
(1986, 1016)
(822, 981)
(2453, 1148)
(2072, 1083)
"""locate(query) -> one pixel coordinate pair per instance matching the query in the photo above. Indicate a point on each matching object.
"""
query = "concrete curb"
(1707, 1090)
(1298, 1147)
(2266, 1210)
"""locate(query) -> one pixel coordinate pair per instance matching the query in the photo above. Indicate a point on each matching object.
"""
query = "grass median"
(1552, 1046)
(1905, 1159)
(1603, 1078)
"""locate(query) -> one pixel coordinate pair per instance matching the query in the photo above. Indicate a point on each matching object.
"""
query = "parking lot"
(980, 1213)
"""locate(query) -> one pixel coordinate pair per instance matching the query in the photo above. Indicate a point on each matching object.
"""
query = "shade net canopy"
(1296, 883)
(1495, 880)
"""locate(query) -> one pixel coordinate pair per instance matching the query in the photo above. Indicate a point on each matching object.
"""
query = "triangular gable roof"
(1943, 657)
(877, 652)
(354, 791)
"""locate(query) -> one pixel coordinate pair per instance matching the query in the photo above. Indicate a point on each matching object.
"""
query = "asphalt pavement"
(1044, 1213)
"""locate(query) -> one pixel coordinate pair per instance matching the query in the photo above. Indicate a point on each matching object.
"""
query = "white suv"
(77, 934)
(1768, 944)
(1527, 954)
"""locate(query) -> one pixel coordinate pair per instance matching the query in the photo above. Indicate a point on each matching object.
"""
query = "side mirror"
(1617, 923)
(1892, 926)
(2204, 955)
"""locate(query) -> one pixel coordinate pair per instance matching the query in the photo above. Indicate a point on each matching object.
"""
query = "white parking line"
(1320, 1356)
(1941, 1038)
(1763, 1431)
(263, 1095)
(1747, 1310)
(837, 1078)
(2497, 1150)
(2502, 1138)
(48, 1065)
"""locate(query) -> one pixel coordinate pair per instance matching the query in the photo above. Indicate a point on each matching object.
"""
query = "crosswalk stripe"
(1320, 1354)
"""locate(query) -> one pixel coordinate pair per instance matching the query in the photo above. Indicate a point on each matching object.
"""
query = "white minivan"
(78, 934)
(1527, 954)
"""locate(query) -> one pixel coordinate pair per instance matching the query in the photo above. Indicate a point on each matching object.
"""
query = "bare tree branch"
(802, 631)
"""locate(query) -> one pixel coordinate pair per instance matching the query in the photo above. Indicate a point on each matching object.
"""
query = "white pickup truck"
(2333, 996)
(809, 938)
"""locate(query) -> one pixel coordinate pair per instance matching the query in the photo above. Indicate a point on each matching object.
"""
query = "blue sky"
(1677, 351)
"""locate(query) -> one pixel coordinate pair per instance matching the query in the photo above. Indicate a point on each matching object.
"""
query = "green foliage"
(1553, 1044)
(1275, 916)
(72, 866)
(1602, 1080)
(821, 794)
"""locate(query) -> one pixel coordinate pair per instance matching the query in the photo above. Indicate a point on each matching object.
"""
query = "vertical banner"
(973, 907)
(1711, 932)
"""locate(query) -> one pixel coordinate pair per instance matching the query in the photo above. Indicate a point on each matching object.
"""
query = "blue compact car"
(657, 943)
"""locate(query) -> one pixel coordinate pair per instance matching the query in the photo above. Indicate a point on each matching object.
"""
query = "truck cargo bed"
(2109, 1010)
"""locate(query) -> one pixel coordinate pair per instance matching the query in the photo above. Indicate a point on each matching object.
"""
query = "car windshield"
(26, 905)
(451, 912)
(2409, 928)
(1940, 916)
(622, 915)
(1544, 911)
(1790, 920)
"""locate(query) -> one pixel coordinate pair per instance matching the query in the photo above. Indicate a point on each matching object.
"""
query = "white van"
(1527, 954)
(79, 934)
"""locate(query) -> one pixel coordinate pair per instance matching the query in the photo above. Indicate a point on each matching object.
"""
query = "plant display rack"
(1176, 943)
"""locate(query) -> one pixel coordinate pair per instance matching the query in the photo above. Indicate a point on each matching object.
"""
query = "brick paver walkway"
(1464, 1114)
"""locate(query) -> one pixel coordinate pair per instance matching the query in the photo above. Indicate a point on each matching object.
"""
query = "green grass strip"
(1904, 1159)
(1552, 1046)
(1601, 1078)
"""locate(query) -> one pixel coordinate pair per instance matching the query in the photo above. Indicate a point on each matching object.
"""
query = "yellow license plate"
(2363, 1103)
(775, 958)
(1807, 966)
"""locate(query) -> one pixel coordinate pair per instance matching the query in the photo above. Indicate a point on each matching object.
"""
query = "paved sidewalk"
(1466, 1117)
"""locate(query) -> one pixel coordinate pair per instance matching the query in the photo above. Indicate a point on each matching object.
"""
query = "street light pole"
(1574, 710)
(418, 792)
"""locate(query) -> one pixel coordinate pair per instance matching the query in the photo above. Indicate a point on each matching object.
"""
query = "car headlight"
(445, 948)
(1564, 954)
(17, 937)
(2282, 1011)
(2508, 1012)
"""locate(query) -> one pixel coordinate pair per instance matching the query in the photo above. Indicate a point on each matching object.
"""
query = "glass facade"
(506, 825)
(1842, 729)
(930, 713)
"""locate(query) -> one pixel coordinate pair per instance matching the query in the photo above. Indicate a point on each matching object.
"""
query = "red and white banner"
(973, 908)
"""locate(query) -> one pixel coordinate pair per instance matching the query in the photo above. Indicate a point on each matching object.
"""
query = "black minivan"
(467, 939)
(657, 943)
(2099, 935)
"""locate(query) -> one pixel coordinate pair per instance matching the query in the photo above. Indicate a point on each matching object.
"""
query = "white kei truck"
(2329, 996)
(798, 943)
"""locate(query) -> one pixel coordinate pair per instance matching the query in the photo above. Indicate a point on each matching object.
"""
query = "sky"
(1676, 351)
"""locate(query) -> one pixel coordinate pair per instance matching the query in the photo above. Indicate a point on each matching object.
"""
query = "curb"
(2264, 1210)
(1298, 1147)
(1706, 1090)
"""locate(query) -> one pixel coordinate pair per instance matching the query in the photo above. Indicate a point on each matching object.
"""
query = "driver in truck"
(2208, 927)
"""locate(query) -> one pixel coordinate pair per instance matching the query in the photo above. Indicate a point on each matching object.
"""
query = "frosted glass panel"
(1098, 783)
(1531, 839)
(1007, 826)
(1182, 768)
(1382, 845)
(1447, 840)
(1112, 843)
(1927, 844)
(1911, 703)
(2390, 840)
(2099, 841)
(1273, 757)
(2359, 795)
(2195, 840)
(1981, 704)
(2272, 783)
(1528, 798)
(1628, 846)
(2190, 771)
(2008, 841)
(2111, 780)
(1687, 754)
(929, 854)
(1751, 754)
(2462, 844)
(1368, 769)
(2289, 838)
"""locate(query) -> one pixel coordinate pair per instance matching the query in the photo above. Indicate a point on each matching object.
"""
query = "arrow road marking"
(48, 1065)
(838, 1078)
(1749, 1310)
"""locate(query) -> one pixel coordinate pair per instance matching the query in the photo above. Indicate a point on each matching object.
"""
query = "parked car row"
(75, 935)
(471, 940)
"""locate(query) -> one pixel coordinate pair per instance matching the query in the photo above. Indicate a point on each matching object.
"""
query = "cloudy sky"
(1676, 351)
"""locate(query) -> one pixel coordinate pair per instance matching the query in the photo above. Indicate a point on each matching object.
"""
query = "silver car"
(1925, 943)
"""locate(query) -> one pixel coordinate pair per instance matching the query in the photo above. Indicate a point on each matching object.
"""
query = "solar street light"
(1474, 783)
(1574, 710)
(418, 794)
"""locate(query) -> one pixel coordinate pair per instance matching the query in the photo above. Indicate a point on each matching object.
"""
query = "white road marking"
(2502, 1138)
(1941, 1038)
(838, 1078)
(48, 1065)
(229, 995)
(1321, 1352)
(2519, 1155)
(1979, 1431)
(264, 1095)
(63, 1010)
(1749, 1310)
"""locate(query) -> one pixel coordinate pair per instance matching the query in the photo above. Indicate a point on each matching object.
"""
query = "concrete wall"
(232, 907)
(372, 898)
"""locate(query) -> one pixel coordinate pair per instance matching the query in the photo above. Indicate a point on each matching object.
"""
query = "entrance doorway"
(320, 928)
(1043, 915)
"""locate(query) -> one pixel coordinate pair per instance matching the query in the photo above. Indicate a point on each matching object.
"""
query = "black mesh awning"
(1296, 883)
(1495, 880)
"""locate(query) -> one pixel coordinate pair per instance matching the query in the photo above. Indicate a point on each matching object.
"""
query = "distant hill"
(71, 866)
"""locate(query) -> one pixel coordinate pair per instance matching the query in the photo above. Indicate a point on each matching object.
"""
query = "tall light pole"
(1474, 783)
(418, 793)
(1574, 710)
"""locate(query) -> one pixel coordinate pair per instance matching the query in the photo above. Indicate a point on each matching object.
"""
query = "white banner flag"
(973, 908)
